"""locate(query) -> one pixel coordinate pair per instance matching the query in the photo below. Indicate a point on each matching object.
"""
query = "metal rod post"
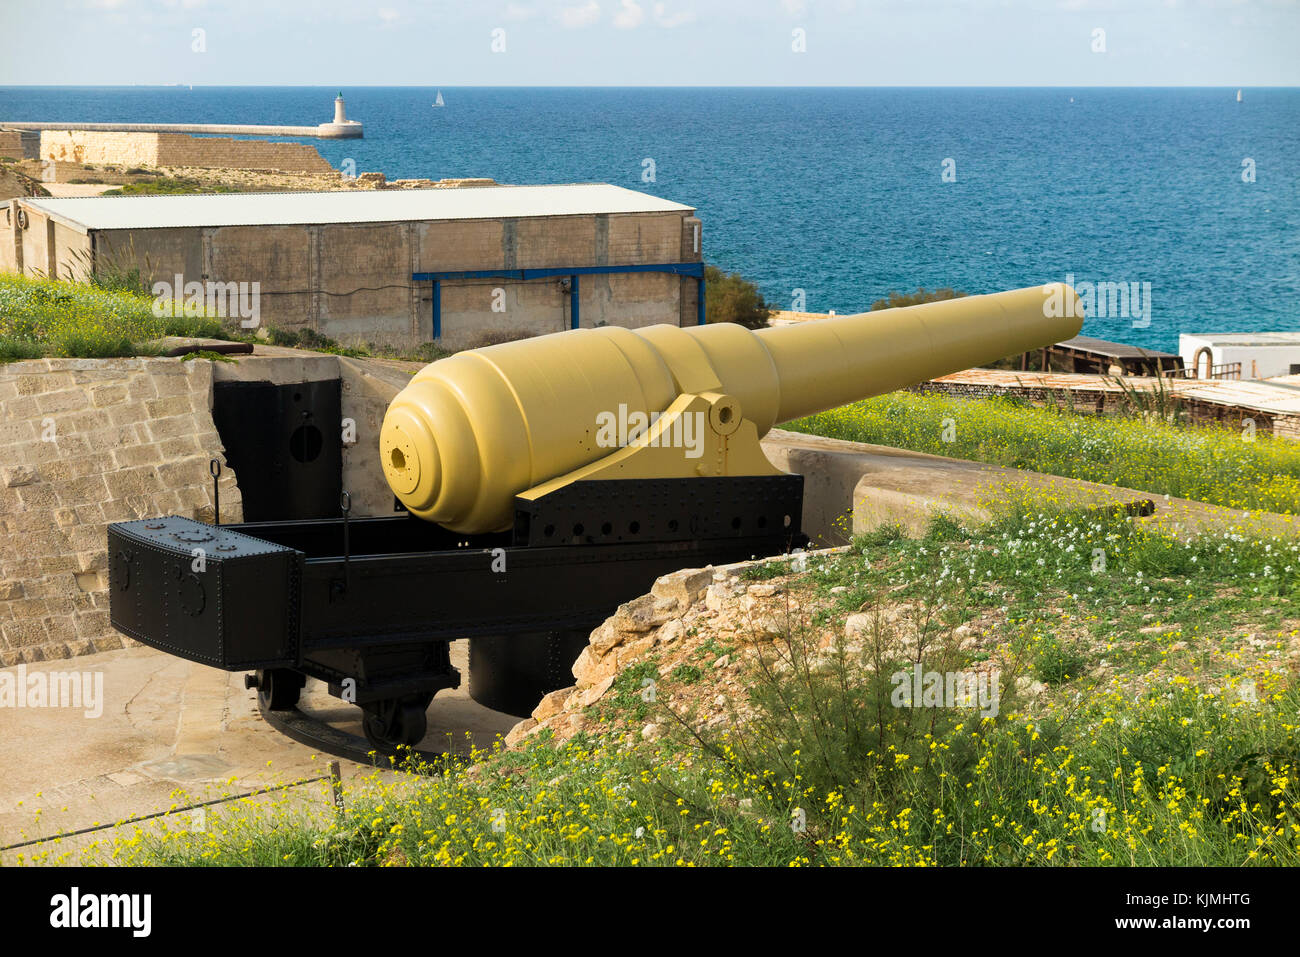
(345, 503)
(214, 467)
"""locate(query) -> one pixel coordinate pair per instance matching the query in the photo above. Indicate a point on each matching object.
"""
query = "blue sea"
(841, 192)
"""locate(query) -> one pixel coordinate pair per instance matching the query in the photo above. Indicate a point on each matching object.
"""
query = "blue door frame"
(695, 270)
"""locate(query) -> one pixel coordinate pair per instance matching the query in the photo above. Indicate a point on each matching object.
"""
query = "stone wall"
(17, 144)
(81, 146)
(178, 149)
(86, 442)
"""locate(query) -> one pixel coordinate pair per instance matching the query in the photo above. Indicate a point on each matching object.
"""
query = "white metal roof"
(1245, 338)
(351, 206)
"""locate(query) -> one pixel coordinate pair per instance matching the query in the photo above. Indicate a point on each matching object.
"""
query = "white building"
(1262, 355)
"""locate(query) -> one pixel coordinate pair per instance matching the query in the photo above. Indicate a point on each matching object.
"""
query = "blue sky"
(652, 42)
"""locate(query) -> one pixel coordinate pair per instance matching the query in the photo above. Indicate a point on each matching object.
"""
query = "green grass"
(1207, 464)
(167, 186)
(113, 316)
(40, 317)
(1142, 752)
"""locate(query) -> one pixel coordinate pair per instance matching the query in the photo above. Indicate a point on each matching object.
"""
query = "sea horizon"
(831, 197)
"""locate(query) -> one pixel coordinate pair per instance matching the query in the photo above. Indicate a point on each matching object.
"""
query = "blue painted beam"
(676, 269)
(437, 310)
(695, 270)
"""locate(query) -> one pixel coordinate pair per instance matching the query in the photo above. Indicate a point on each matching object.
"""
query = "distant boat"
(1239, 96)
(438, 101)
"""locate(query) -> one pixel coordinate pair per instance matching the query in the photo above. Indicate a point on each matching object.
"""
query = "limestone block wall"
(178, 149)
(11, 144)
(84, 146)
(86, 442)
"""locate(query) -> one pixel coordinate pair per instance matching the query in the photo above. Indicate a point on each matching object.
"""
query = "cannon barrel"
(472, 431)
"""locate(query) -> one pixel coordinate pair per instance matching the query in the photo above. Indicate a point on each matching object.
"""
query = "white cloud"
(670, 20)
(630, 16)
(388, 15)
(583, 16)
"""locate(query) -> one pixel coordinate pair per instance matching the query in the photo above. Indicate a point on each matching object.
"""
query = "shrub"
(1058, 661)
(167, 185)
(729, 297)
(896, 300)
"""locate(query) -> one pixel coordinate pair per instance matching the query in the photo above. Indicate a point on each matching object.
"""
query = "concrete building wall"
(536, 307)
(540, 306)
(460, 245)
(352, 281)
(1259, 360)
(8, 240)
(177, 149)
(365, 287)
(35, 242)
(280, 258)
(646, 238)
(72, 256)
(567, 240)
(160, 253)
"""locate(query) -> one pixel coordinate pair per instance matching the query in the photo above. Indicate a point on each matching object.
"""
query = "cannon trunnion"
(369, 605)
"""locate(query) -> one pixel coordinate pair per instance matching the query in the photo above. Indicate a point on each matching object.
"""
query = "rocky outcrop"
(665, 624)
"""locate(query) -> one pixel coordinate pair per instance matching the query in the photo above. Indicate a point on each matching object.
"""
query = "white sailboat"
(1239, 96)
(438, 101)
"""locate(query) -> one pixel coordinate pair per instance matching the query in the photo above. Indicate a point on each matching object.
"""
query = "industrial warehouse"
(394, 268)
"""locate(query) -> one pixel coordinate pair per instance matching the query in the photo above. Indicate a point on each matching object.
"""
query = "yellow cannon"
(473, 431)
(604, 456)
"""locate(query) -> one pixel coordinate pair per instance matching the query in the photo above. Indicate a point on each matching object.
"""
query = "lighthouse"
(341, 127)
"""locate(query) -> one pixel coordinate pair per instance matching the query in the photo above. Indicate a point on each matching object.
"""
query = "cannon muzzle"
(472, 431)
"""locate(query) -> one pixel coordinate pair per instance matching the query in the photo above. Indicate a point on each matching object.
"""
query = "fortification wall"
(82, 146)
(178, 149)
(86, 442)
(17, 144)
